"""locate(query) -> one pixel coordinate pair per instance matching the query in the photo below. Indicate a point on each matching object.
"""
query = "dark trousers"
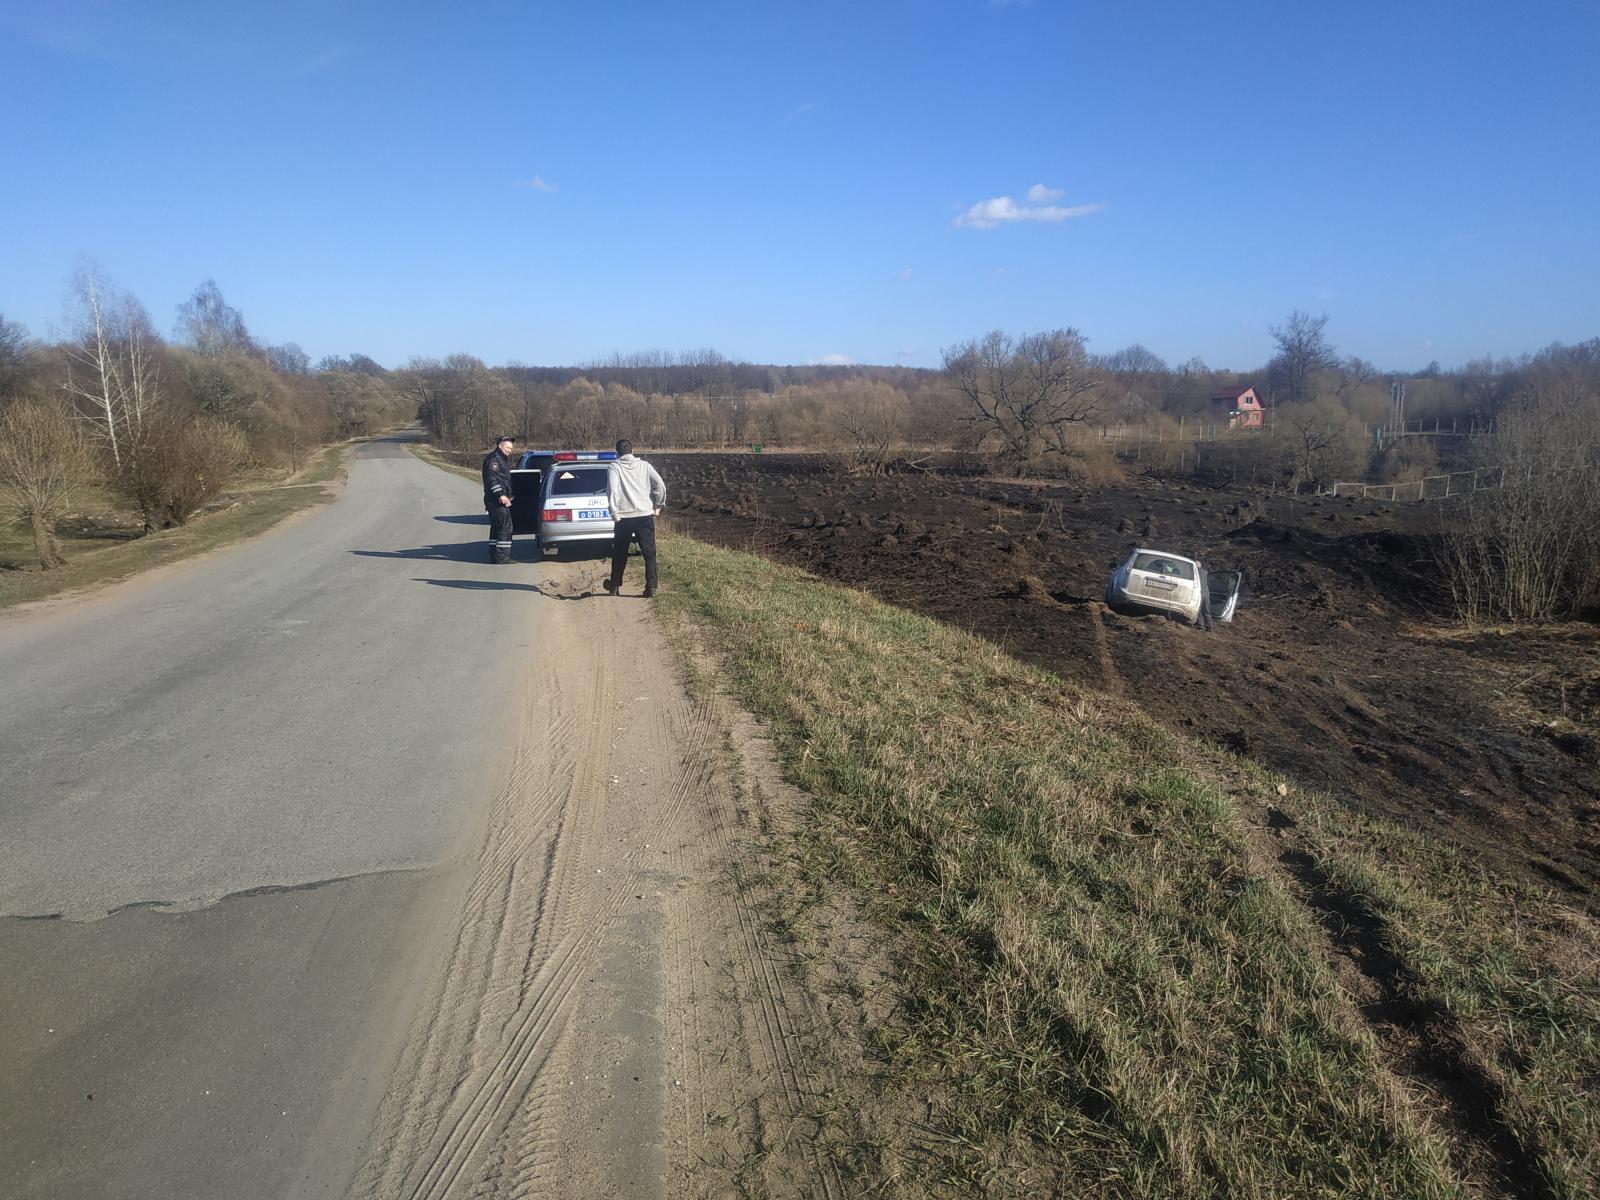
(634, 529)
(499, 532)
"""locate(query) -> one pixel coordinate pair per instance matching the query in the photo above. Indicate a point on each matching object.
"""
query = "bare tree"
(1027, 395)
(13, 354)
(1134, 360)
(871, 427)
(354, 364)
(211, 325)
(42, 462)
(289, 359)
(1303, 350)
(1324, 441)
(113, 365)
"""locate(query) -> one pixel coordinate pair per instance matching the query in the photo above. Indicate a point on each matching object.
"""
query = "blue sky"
(547, 183)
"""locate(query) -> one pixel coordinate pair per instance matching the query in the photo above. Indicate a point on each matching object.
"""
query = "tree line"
(166, 423)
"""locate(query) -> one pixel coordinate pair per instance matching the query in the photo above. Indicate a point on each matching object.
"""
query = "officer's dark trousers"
(634, 529)
(499, 532)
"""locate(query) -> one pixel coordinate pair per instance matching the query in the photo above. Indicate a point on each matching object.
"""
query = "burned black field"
(1343, 668)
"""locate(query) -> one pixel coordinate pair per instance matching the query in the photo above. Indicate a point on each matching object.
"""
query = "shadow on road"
(464, 552)
(466, 519)
(482, 585)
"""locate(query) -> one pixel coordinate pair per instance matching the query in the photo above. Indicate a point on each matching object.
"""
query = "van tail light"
(556, 514)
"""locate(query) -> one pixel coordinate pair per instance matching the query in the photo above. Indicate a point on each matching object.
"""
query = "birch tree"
(112, 370)
(114, 380)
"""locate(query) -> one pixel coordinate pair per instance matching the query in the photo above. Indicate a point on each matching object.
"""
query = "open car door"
(527, 480)
(1223, 592)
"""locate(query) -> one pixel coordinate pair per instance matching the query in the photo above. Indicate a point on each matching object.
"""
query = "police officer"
(497, 498)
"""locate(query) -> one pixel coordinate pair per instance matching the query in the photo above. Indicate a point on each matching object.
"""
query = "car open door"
(1222, 589)
(527, 482)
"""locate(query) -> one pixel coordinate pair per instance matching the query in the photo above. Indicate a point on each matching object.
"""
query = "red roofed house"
(1239, 407)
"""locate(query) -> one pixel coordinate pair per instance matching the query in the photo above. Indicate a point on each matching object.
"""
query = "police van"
(561, 496)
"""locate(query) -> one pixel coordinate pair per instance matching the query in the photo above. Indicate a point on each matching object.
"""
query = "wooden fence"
(1429, 487)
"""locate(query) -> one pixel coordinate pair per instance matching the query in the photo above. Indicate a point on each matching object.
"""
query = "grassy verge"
(96, 560)
(446, 460)
(1113, 981)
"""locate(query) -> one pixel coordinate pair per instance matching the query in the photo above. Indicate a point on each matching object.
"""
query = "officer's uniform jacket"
(496, 477)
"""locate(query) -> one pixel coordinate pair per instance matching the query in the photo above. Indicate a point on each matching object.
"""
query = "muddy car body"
(1162, 582)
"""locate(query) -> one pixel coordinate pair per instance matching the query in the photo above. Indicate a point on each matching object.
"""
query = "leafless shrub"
(1322, 440)
(766, 537)
(1529, 550)
(180, 465)
(870, 429)
(42, 462)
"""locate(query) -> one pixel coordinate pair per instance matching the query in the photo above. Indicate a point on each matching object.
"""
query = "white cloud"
(1003, 210)
(905, 274)
(536, 184)
(834, 360)
(905, 352)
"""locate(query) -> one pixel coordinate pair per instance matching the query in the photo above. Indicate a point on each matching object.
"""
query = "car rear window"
(579, 481)
(1160, 564)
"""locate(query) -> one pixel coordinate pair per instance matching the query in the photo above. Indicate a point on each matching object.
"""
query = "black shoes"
(609, 586)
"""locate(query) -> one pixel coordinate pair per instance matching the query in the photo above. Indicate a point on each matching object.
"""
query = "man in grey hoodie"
(636, 494)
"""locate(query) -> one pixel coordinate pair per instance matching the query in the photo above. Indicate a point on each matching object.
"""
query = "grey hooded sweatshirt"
(634, 489)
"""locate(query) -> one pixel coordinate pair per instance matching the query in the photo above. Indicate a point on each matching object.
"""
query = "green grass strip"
(1112, 991)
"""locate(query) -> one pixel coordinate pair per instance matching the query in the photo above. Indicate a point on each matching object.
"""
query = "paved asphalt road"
(243, 790)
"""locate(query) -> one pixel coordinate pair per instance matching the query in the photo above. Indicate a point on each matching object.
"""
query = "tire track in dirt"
(554, 956)
(750, 1109)
(1112, 677)
(480, 1103)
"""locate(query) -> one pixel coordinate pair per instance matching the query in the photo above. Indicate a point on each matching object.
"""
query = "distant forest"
(1040, 402)
(165, 421)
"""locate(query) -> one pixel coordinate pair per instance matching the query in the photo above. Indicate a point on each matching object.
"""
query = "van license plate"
(594, 514)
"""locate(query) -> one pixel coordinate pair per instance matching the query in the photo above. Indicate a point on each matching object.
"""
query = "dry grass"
(455, 461)
(1110, 984)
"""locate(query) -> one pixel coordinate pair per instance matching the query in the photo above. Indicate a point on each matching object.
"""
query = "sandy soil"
(611, 1018)
(1342, 670)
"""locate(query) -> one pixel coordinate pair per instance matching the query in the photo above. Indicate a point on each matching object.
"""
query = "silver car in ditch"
(1162, 582)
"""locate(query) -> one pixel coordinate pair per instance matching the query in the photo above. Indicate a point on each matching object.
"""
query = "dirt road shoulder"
(613, 1015)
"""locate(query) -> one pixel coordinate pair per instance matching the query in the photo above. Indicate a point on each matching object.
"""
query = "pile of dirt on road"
(1341, 670)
